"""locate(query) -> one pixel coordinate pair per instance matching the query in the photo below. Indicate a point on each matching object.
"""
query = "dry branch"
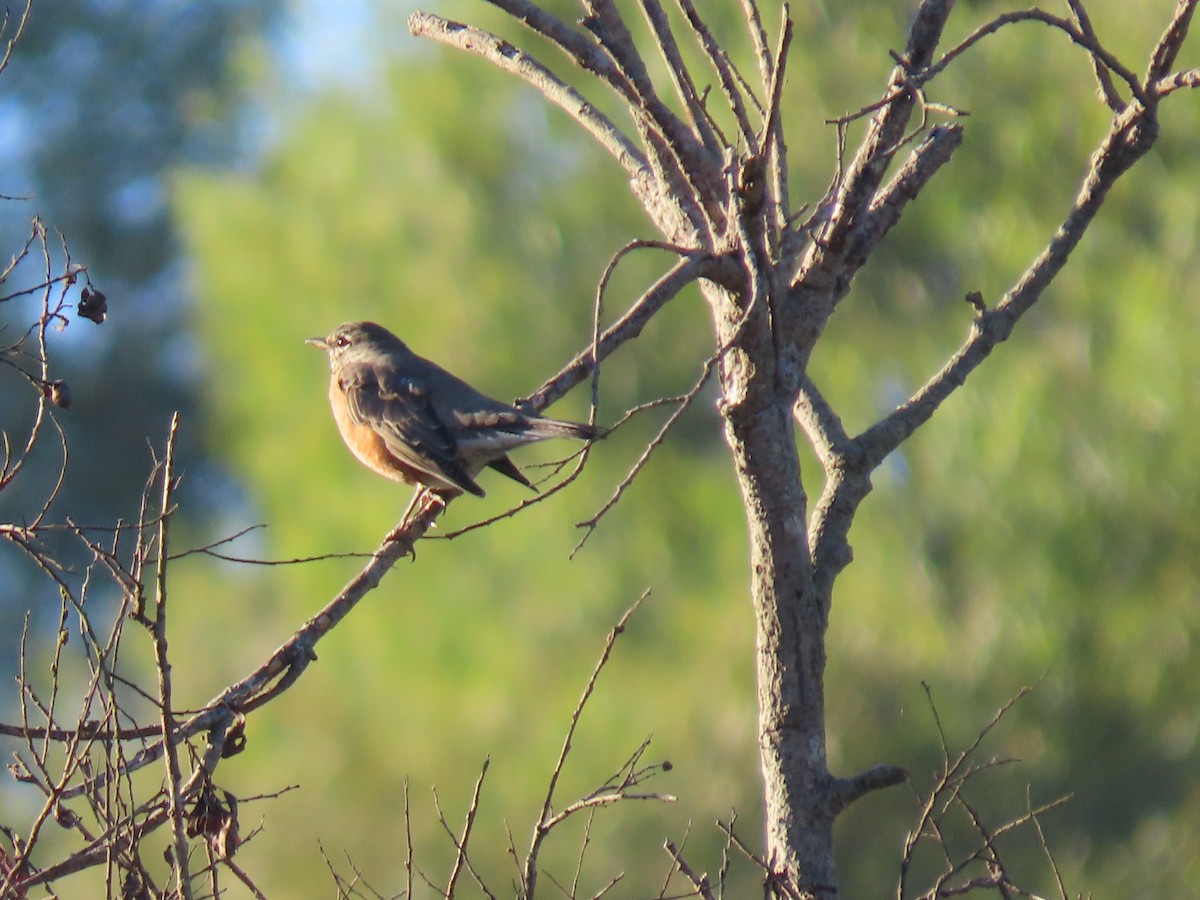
(509, 58)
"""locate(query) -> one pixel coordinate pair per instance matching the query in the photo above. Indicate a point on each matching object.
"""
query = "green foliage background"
(1041, 529)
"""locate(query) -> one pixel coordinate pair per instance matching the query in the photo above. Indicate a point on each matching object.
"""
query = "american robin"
(410, 420)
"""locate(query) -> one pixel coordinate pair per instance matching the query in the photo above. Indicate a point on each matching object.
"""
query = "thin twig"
(1104, 79)
(460, 844)
(1166, 51)
(733, 85)
(773, 880)
(163, 667)
(542, 826)
(584, 843)
(758, 34)
(631, 323)
(947, 790)
(699, 881)
(408, 844)
(685, 403)
(680, 76)
(1084, 38)
(1037, 824)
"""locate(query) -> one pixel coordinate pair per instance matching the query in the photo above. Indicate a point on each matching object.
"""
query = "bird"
(406, 418)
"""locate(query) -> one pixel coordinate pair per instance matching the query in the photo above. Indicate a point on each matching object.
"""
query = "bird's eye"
(341, 341)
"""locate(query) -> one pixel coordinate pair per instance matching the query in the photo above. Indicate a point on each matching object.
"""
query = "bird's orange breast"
(366, 444)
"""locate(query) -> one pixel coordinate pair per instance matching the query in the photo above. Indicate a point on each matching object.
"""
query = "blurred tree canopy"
(1044, 531)
(99, 102)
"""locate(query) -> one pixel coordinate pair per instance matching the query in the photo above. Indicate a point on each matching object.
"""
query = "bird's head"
(356, 340)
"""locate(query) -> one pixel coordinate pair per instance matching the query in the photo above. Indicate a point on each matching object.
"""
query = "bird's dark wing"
(399, 410)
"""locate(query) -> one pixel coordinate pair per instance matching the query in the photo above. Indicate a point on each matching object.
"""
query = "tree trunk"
(790, 618)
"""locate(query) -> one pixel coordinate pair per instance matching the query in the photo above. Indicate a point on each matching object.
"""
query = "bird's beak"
(317, 342)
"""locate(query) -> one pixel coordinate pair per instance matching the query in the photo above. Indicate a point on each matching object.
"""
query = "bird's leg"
(431, 499)
(412, 504)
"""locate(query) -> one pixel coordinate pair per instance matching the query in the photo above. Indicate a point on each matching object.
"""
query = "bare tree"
(773, 272)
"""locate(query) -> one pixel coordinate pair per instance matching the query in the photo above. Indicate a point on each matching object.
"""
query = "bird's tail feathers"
(560, 428)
